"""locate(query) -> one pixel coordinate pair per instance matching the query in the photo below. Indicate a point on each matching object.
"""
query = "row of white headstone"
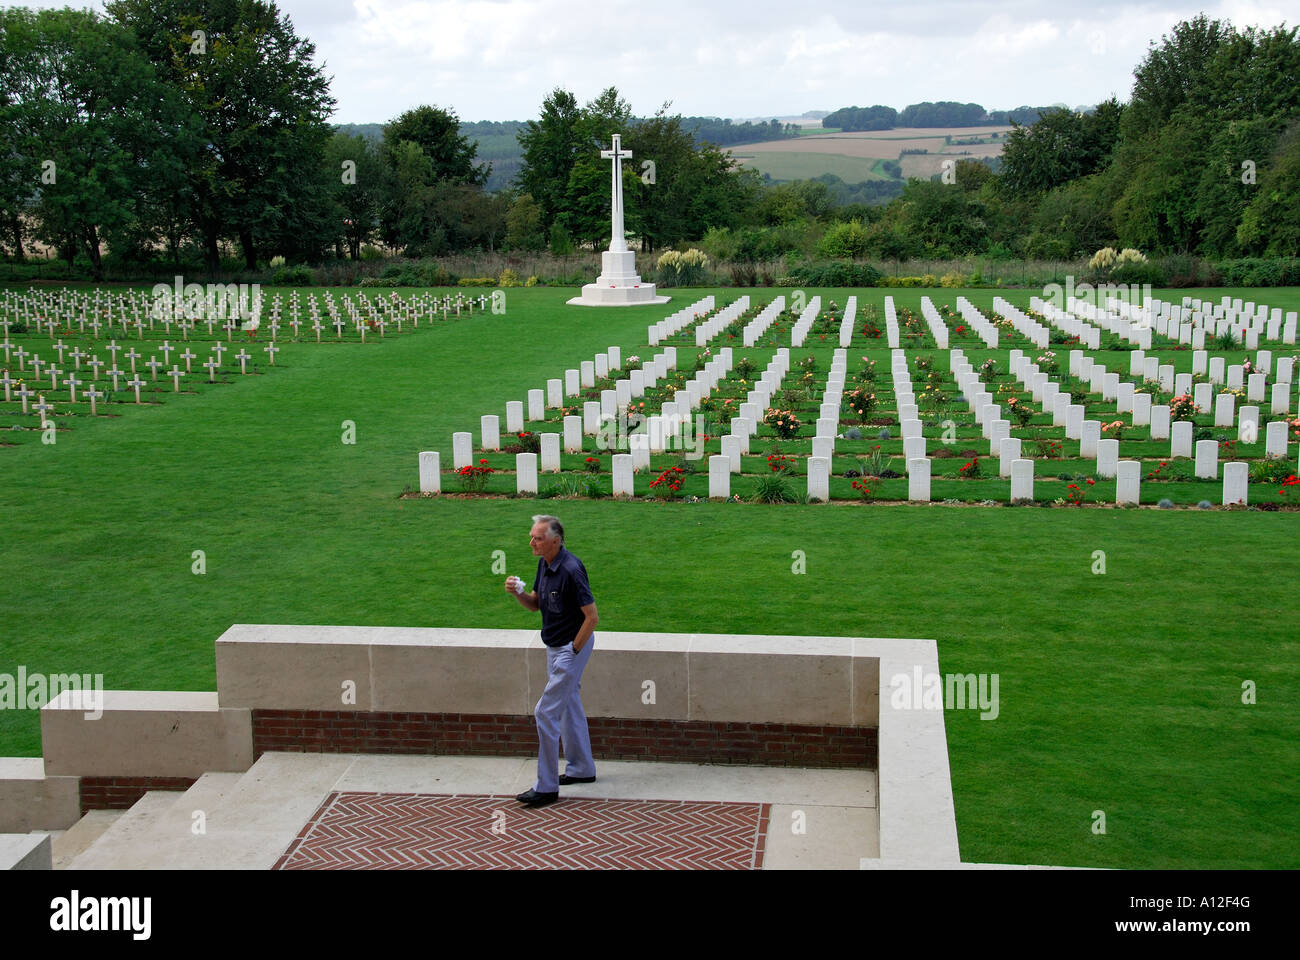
(713, 326)
(891, 323)
(979, 323)
(1067, 322)
(846, 325)
(807, 317)
(676, 322)
(766, 317)
(935, 322)
(1025, 325)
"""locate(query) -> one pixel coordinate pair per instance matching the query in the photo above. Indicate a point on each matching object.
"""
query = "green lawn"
(1118, 692)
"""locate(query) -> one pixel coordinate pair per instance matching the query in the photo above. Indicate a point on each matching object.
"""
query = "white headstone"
(591, 418)
(622, 469)
(1159, 422)
(514, 416)
(719, 477)
(731, 450)
(430, 478)
(1281, 397)
(550, 452)
(490, 432)
(918, 479)
(1074, 422)
(1008, 452)
(1236, 475)
(572, 434)
(1248, 424)
(572, 383)
(1275, 440)
(1107, 457)
(1089, 437)
(1141, 409)
(819, 484)
(1207, 459)
(526, 473)
(1128, 481)
(462, 450)
(1224, 410)
(1022, 479)
(1255, 388)
(536, 407)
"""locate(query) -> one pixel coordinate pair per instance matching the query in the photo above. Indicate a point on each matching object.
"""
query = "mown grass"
(1119, 692)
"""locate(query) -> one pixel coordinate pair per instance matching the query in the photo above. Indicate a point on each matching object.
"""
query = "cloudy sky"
(498, 59)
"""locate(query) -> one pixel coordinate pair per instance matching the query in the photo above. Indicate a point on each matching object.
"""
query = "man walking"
(562, 594)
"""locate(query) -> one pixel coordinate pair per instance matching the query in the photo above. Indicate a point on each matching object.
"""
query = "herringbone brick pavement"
(394, 831)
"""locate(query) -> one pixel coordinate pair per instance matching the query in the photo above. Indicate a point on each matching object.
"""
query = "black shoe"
(542, 799)
(565, 778)
(527, 795)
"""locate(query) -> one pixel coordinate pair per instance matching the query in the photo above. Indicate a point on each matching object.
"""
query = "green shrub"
(837, 273)
(293, 277)
(772, 488)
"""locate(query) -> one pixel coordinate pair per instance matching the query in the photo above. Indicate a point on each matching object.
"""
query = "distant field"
(824, 151)
(805, 166)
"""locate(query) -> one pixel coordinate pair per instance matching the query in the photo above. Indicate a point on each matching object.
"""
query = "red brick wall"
(770, 744)
(120, 793)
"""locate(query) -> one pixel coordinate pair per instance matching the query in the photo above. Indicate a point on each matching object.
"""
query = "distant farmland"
(853, 157)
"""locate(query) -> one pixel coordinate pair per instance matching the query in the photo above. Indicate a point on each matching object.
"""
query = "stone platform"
(327, 811)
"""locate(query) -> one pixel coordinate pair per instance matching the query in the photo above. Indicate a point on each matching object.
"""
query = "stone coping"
(665, 676)
(144, 733)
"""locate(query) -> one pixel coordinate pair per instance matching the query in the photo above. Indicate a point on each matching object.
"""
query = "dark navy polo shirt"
(562, 591)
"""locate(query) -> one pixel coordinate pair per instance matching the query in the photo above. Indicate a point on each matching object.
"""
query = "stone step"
(32, 800)
(162, 834)
(71, 843)
(248, 819)
(132, 827)
(25, 851)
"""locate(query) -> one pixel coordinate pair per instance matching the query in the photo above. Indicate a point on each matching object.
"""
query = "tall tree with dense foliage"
(81, 103)
(259, 105)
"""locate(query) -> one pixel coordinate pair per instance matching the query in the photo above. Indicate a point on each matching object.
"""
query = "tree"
(550, 146)
(437, 133)
(524, 224)
(1270, 224)
(258, 106)
(356, 189)
(80, 102)
(1059, 147)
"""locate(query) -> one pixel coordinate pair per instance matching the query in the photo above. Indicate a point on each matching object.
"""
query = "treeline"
(1205, 158)
(944, 113)
(724, 133)
(1203, 162)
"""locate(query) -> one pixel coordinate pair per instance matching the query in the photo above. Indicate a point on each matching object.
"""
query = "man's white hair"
(552, 523)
